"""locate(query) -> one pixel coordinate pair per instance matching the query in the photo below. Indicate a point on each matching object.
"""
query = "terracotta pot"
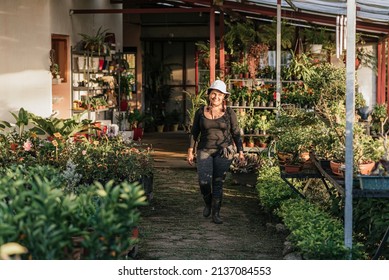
(366, 168)
(357, 63)
(337, 168)
(292, 168)
(304, 156)
(250, 144)
(262, 145)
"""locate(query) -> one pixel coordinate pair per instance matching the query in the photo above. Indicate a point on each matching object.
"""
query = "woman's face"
(216, 97)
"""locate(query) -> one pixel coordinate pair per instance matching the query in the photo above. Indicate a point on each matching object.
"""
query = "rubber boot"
(207, 196)
(216, 204)
(208, 205)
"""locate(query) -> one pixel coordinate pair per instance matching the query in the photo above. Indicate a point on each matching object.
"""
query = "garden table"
(307, 173)
(339, 183)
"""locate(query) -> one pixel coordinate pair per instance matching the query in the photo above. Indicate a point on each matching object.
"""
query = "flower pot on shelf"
(138, 133)
(175, 127)
(160, 128)
(291, 168)
(337, 168)
(304, 156)
(364, 112)
(366, 168)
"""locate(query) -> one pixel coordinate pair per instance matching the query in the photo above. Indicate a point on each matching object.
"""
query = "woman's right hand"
(190, 156)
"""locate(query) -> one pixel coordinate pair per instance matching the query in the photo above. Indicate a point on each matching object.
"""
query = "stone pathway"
(172, 226)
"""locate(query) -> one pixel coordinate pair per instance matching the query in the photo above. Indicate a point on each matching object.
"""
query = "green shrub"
(272, 190)
(370, 221)
(315, 233)
(37, 213)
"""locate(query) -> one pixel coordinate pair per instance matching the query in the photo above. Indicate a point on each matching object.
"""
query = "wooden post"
(212, 70)
(221, 47)
(379, 76)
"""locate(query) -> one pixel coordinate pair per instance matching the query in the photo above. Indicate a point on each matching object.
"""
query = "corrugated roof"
(376, 11)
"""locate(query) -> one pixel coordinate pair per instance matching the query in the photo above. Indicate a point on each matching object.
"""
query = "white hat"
(218, 85)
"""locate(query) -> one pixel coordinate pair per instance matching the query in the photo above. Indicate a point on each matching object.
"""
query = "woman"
(217, 134)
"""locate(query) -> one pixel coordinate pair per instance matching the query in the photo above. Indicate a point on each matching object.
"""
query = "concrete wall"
(25, 80)
(367, 81)
(25, 42)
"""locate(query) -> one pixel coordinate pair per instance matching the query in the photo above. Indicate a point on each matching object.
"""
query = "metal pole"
(278, 56)
(350, 109)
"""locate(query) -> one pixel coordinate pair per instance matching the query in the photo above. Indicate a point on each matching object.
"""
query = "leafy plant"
(316, 35)
(196, 101)
(252, 163)
(268, 34)
(36, 213)
(22, 119)
(95, 42)
(367, 58)
(240, 35)
(272, 190)
(380, 112)
(316, 234)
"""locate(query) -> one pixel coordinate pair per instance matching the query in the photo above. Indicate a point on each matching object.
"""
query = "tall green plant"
(196, 101)
(22, 119)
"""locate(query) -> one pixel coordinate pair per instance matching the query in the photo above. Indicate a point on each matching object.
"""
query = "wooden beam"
(138, 11)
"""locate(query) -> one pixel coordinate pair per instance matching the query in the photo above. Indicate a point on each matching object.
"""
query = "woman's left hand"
(241, 158)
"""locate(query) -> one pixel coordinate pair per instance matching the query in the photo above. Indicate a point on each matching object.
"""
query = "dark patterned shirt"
(216, 133)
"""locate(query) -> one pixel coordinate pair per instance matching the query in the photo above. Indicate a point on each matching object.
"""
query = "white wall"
(367, 81)
(24, 54)
(25, 41)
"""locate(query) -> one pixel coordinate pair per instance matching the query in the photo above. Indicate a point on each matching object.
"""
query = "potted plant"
(195, 102)
(316, 37)
(173, 119)
(240, 35)
(366, 58)
(95, 43)
(380, 112)
(204, 52)
(268, 34)
(246, 173)
(360, 105)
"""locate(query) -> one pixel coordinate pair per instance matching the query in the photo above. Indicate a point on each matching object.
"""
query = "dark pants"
(211, 170)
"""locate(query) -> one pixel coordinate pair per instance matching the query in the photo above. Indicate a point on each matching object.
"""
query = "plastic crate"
(374, 182)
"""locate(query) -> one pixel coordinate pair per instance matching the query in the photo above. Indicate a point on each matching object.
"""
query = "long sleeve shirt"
(216, 133)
